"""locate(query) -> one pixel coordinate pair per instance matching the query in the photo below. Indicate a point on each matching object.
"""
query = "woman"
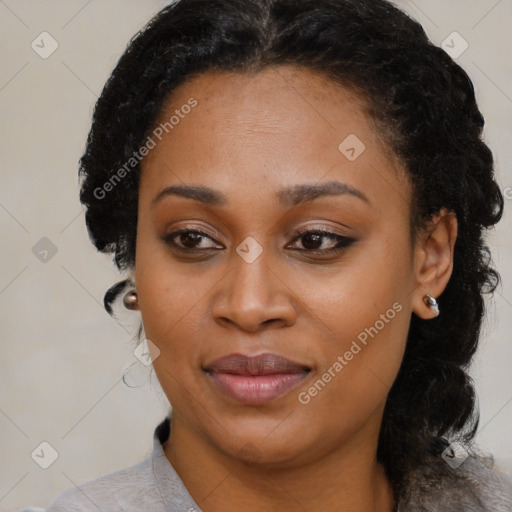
(298, 192)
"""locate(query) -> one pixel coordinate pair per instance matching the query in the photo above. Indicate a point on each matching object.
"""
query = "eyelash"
(343, 241)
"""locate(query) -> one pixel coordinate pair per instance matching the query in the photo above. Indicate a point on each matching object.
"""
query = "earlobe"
(434, 253)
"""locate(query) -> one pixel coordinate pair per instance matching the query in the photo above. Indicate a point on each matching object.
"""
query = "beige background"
(62, 355)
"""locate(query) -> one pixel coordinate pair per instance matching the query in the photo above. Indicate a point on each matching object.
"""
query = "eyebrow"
(290, 196)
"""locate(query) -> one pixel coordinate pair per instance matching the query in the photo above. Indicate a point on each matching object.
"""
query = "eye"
(313, 241)
(188, 240)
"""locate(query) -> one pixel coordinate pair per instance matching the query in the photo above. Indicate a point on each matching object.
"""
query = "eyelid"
(294, 233)
(196, 228)
(320, 229)
(335, 231)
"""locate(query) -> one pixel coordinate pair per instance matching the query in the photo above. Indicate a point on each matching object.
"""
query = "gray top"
(153, 485)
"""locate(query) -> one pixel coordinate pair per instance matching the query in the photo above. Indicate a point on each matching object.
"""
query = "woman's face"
(269, 156)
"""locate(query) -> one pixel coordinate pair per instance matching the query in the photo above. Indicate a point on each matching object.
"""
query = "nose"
(254, 297)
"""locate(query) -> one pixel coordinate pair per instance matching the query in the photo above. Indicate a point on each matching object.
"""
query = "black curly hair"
(425, 104)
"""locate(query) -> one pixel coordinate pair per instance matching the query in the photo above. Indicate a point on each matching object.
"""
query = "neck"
(347, 479)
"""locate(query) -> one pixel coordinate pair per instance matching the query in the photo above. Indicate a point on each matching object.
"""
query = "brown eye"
(313, 241)
(188, 239)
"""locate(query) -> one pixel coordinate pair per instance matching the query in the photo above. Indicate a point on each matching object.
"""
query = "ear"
(433, 260)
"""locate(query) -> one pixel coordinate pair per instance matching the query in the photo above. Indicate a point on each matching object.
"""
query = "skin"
(249, 136)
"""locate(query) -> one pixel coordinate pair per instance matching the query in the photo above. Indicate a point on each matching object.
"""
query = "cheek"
(164, 294)
(172, 306)
(367, 311)
(359, 363)
(363, 288)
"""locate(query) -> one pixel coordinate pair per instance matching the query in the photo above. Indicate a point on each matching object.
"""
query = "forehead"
(283, 124)
(268, 99)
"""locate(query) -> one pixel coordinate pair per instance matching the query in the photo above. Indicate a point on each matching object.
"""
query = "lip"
(258, 379)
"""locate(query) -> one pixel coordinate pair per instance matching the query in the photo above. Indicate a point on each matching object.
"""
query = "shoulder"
(474, 486)
(128, 489)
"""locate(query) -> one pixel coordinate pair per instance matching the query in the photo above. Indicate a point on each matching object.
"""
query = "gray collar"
(173, 491)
